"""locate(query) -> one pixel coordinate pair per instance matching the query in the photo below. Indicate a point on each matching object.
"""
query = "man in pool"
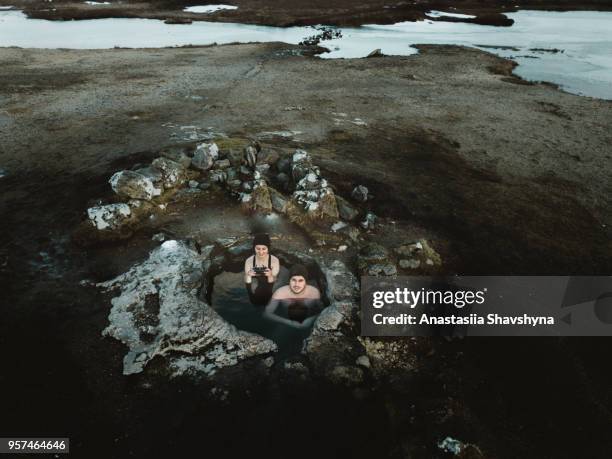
(260, 271)
(296, 304)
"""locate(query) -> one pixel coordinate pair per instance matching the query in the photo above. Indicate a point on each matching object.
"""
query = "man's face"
(297, 284)
(261, 250)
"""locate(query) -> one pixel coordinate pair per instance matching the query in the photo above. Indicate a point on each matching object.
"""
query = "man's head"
(261, 244)
(298, 278)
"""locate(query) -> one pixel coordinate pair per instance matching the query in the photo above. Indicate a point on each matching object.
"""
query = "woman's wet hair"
(298, 270)
(261, 239)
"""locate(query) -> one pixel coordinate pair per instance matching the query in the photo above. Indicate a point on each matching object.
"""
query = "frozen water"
(572, 49)
(208, 8)
(439, 14)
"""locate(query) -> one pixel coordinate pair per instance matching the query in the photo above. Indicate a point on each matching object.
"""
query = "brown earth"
(297, 12)
(513, 177)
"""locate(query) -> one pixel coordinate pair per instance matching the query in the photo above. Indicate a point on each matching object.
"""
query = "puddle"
(582, 65)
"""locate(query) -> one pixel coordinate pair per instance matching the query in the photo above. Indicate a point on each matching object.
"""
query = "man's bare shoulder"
(282, 292)
(312, 292)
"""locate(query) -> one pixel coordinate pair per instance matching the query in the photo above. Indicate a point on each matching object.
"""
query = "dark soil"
(296, 12)
(500, 182)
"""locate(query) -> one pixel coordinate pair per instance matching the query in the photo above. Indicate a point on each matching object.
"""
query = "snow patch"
(207, 9)
(442, 14)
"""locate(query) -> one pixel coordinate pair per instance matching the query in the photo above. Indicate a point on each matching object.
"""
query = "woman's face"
(261, 250)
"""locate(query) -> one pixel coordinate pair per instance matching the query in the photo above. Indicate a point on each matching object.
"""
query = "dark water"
(231, 301)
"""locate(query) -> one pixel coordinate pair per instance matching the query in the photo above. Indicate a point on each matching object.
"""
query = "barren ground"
(514, 178)
(296, 12)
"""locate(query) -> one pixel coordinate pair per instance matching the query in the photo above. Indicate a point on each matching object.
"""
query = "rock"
(374, 252)
(363, 361)
(284, 164)
(311, 181)
(218, 176)
(262, 168)
(345, 209)
(327, 207)
(110, 216)
(232, 174)
(360, 193)
(409, 264)
(234, 184)
(369, 222)
(301, 165)
(155, 175)
(159, 237)
(177, 21)
(346, 375)
(158, 314)
(279, 202)
(283, 181)
(381, 269)
(204, 156)
(418, 254)
(376, 53)
(342, 285)
(312, 191)
(133, 185)
(338, 226)
(342, 248)
(250, 156)
(193, 184)
(269, 157)
(178, 156)
(409, 250)
(260, 197)
(235, 157)
(174, 173)
(204, 185)
(222, 164)
(375, 260)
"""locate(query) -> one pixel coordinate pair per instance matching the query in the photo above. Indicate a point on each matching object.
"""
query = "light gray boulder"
(158, 313)
(155, 175)
(205, 156)
(133, 185)
(360, 193)
(110, 216)
(173, 172)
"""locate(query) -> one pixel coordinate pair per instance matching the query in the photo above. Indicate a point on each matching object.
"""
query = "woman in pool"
(260, 271)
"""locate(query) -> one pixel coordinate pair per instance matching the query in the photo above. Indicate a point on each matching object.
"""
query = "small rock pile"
(312, 191)
(418, 256)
